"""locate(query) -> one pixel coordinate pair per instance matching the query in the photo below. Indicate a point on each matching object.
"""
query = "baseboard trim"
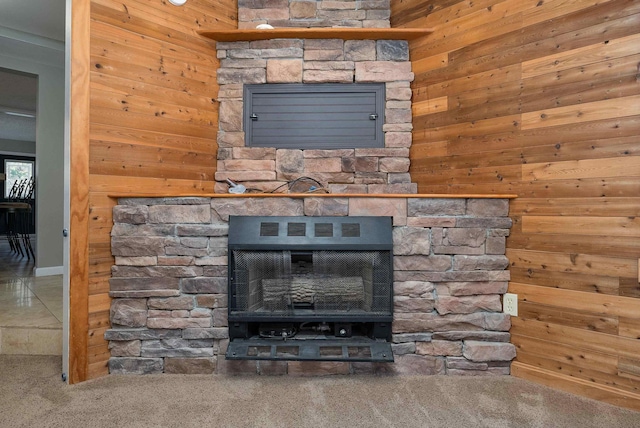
(48, 271)
(576, 386)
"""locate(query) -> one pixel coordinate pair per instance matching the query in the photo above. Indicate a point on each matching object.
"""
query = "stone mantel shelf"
(317, 33)
(314, 195)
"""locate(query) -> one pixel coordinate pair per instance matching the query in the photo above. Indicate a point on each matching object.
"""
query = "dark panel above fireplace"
(314, 116)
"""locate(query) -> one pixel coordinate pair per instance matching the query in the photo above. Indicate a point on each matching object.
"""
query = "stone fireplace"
(383, 169)
(170, 284)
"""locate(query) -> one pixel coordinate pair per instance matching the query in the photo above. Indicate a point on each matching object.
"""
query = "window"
(314, 116)
(16, 171)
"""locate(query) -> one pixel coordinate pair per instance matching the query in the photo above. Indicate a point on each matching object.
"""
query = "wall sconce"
(177, 2)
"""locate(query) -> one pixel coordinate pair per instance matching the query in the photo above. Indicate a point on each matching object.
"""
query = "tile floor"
(30, 307)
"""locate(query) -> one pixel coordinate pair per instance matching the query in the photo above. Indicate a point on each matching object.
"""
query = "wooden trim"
(79, 193)
(576, 386)
(313, 195)
(317, 33)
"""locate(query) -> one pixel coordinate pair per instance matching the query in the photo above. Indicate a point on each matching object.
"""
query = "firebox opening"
(311, 291)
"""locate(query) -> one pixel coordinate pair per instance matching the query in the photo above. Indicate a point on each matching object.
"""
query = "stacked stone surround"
(314, 13)
(375, 170)
(169, 284)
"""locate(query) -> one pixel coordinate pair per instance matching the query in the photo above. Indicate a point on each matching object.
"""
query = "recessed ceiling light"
(177, 2)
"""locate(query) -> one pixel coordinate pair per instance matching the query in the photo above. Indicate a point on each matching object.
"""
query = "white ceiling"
(18, 91)
(43, 18)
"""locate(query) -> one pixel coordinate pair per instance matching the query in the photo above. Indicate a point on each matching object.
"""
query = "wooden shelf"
(317, 33)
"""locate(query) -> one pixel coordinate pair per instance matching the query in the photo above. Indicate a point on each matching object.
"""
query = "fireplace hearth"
(310, 288)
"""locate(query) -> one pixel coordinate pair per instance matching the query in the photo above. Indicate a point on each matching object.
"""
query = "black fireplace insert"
(310, 288)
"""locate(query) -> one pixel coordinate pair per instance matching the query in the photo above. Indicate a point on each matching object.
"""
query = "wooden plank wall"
(542, 99)
(153, 121)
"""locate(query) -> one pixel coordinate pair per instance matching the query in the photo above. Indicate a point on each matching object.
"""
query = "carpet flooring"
(32, 394)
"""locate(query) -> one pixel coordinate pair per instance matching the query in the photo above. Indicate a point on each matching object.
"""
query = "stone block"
(160, 230)
(370, 178)
(190, 365)
(398, 139)
(488, 351)
(396, 208)
(430, 322)
(488, 207)
(348, 164)
(431, 221)
(383, 71)
(172, 303)
(265, 14)
(243, 63)
(257, 206)
(211, 261)
(146, 272)
(131, 284)
(199, 313)
(420, 207)
(205, 333)
(496, 245)
(485, 222)
(394, 164)
(411, 241)
(487, 336)
(248, 165)
(398, 94)
(366, 164)
(128, 348)
(412, 304)
(376, 23)
(212, 301)
(264, 153)
(282, 53)
(276, 44)
(464, 364)
(323, 164)
(329, 65)
(318, 368)
(230, 116)
(180, 214)
(439, 348)
(468, 304)
(471, 237)
(137, 261)
(220, 318)
(425, 263)
(377, 369)
(289, 161)
(215, 229)
(179, 250)
(411, 337)
(120, 334)
(413, 289)
(138, 247)
(392, 116)
(247, 76)
(284, 71)
(360, 50)
(210, 285)
(397, 127)
(347, 188)
(487, 262)
(230, 139)
(136, 214)
(392, 50)
(326, 206)
(327, 76)
(231, 91)
(398, 188)
(470, 288)
(412, 364)
(173, 348)
(216, 270)
(302, 9)
(128, 365)
(244, 176)
(342, 15)
(452, 276)
(383, 152)
(178, 323)
(128, 312)
(139, 294)
(404, 348)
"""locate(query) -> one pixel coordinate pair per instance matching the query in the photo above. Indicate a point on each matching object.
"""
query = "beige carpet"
(32, 395)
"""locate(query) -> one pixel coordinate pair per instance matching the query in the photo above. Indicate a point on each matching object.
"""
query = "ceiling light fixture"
(177, 2)
(13, 113)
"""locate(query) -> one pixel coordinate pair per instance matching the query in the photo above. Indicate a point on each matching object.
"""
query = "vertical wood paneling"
(541, 99)
(145, 120)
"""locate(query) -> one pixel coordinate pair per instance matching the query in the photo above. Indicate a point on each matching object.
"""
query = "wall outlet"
(510, 304)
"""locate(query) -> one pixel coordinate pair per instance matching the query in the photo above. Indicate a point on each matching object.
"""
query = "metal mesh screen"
(335, 282)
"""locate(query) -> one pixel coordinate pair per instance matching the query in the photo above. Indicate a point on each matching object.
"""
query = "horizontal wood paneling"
(542, 99)
(153, 121)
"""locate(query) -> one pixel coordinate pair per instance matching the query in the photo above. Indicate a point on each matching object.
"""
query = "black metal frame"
(375, 235)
